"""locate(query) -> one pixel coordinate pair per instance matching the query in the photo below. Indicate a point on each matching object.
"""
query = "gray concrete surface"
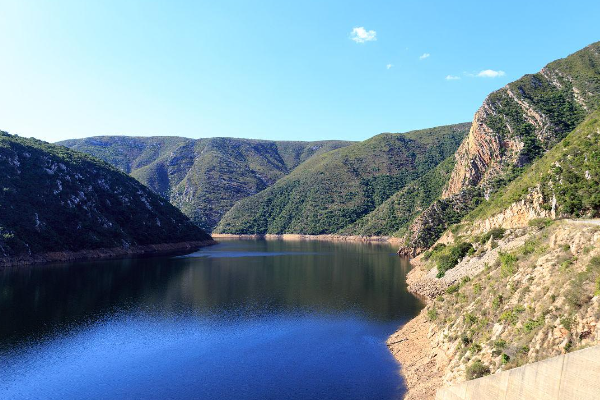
(573, 376)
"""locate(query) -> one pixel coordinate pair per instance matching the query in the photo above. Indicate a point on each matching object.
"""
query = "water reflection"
(254, 288)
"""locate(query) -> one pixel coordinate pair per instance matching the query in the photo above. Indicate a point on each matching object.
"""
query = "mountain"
(205, 177)
(330, 192)
(515, 125)
(518, 280)
(53, 199)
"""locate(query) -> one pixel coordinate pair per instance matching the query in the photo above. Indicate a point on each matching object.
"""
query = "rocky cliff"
(515, 125)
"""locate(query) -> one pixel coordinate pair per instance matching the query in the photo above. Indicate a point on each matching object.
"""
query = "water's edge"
(411, 347)
(105, 253)
(328, 237)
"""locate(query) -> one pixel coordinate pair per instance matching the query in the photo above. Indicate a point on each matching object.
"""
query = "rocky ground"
(532, 294)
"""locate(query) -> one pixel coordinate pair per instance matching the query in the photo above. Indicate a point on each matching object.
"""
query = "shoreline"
(149, 250)
(298, 237)
(421, 364)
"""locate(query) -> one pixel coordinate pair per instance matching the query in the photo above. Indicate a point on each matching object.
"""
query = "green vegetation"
(432, 314)
(205, 177)
(508, 264)
(495, 233)
(330, 192)
(56, 199)
(446, 257)
(477, 369)
(394, 214)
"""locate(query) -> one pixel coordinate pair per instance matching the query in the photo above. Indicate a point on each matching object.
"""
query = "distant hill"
(515, 126)
(330, 192)
(205, 177)
(53, 199)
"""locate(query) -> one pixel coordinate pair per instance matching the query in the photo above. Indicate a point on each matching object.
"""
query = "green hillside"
(330, 192)
(203, 177)
(394, 214)
(56, 199)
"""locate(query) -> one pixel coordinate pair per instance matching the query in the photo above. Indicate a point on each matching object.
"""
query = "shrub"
(470, 319)
(500, 344)
(567, 322)
(505, 358)
(532, 324)
(540, 222)
(497, 301)
(508, 264)
(452, 288)
(475, 348)
(529, 247)
(448, 257)
(512, 316)
(495, 233)
(432, 314)
(477, 369)
(465, 340)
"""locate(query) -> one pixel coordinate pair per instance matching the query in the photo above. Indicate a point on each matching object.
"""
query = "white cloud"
(424, 56)
(452, 78)
(361, 35)
(389, 66)
(490, 73)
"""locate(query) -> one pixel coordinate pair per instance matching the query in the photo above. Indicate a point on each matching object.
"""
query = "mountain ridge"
(203, 177)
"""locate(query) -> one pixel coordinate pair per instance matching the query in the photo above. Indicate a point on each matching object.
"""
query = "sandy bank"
(104, 253)
(421, 364)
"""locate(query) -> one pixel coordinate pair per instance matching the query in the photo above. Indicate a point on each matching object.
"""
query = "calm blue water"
(240, 320)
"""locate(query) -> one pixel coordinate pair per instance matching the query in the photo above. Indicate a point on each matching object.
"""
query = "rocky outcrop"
(514, 126)
(518, 214)
(531, 295)
(476, 154)
(429, 225)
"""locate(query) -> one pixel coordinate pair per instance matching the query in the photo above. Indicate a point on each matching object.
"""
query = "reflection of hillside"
(362, 277)
(359, 276)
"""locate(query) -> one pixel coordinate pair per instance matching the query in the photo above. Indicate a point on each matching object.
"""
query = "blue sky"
(269, 69)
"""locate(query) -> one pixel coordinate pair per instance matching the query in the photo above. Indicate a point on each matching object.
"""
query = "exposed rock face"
(476, 154)
(514, 126)
(518, 214)
(429, 226)
(516, 123)
(542, 302)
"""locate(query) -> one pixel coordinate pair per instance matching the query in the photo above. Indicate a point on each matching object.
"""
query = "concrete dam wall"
(573, 376)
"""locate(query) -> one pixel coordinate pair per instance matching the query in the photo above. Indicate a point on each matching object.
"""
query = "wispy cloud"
(388, 66)
(361, 35)
(452, 77)
(490, 73)
(424, 56)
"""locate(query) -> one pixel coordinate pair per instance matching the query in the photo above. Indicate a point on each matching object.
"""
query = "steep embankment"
(510, 285)
(58, 204)
(203, 177)
(514, 126)
(328, 193)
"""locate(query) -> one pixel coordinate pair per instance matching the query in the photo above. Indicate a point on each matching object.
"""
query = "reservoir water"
(245, 319)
